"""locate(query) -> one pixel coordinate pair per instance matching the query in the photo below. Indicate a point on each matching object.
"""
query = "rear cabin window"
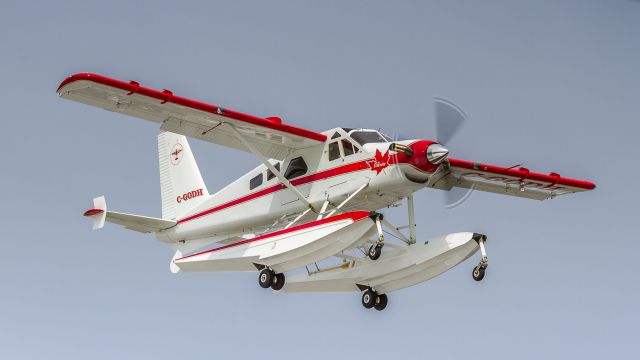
(271, 175)
(297, 167)
(334, 151)
(255, 181)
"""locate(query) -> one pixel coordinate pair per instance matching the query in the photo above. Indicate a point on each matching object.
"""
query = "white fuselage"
(241, 207)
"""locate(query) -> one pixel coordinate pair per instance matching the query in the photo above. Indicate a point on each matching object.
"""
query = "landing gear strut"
(268, 278)
(371, 299)
(376, 249)
(478, 271)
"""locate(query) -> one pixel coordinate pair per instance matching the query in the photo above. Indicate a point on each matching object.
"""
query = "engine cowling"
(420, 159)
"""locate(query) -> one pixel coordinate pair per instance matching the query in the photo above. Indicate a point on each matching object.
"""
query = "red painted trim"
(354, 215)
(552, 178)
(166, 96)
(92, 212)
(340, 170)
(357, 166)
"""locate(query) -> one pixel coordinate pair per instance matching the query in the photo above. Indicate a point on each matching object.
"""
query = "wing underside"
(188, 117)
(518, 182)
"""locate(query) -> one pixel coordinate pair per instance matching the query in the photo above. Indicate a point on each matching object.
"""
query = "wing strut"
(347, 199)
(272, 168)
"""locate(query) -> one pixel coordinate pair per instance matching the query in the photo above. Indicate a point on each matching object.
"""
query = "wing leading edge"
(188, 117)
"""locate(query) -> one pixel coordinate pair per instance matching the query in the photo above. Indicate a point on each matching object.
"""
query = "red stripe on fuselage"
(355, 216)
(357, 166)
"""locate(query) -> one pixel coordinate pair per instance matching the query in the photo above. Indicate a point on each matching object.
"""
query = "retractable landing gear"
(376, 249)
(371, 299)
(268, 278)
(478, 271)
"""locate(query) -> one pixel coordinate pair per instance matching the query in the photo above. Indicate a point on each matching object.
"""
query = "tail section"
(181, 184)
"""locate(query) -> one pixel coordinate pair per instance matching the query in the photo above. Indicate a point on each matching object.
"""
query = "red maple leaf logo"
(379, 162)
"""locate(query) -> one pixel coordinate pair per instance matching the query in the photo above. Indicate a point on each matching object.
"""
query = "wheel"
(478, 273)
(278, 282)
(374, 252)
(369, 299)
(266, 278)
(381, 302)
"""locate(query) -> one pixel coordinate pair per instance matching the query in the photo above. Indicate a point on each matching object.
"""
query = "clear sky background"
(551, 84)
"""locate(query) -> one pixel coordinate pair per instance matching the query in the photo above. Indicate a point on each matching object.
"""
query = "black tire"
(278, 282)
(478, 273)
(381, 302)
(368, 299)
(265, 279)
(374, 252)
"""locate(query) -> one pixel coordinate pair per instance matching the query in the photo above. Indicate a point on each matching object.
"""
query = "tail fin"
(181, 184)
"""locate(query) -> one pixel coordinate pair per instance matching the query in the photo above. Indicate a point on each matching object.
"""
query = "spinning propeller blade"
(449, 120)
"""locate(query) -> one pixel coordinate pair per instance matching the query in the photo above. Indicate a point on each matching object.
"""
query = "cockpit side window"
(297, 167)
(366, 137)
(334, 151)
(348, 148)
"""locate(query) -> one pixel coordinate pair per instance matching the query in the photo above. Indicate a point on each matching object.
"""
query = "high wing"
(180, 115)
(508, 181)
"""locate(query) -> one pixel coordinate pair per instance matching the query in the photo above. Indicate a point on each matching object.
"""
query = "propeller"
(449, 120)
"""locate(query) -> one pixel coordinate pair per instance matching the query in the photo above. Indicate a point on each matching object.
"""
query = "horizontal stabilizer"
(139, 223)
(144, 224)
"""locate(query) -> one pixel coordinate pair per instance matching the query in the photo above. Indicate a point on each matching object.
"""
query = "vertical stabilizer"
(181, 184)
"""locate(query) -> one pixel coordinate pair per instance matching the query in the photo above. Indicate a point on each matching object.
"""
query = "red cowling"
(419, 157)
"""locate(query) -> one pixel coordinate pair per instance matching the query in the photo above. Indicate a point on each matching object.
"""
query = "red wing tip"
(76, 77)
(93, 212)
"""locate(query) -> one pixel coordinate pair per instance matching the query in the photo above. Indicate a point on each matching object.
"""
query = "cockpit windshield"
(365, 137)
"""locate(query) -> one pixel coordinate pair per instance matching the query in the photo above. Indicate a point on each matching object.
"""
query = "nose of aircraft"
(436, 153)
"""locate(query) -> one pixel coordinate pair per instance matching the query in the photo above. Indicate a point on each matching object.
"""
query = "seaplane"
(315, 198)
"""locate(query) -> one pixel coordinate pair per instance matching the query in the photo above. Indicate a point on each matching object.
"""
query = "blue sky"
(551, 84)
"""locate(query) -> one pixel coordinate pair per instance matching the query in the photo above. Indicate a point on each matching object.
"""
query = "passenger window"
(348, 148)
(297, 167)
(271, 175)
(334, 151)
(255, 181)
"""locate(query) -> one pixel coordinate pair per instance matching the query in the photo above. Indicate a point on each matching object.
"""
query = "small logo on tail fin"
(176, 153)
